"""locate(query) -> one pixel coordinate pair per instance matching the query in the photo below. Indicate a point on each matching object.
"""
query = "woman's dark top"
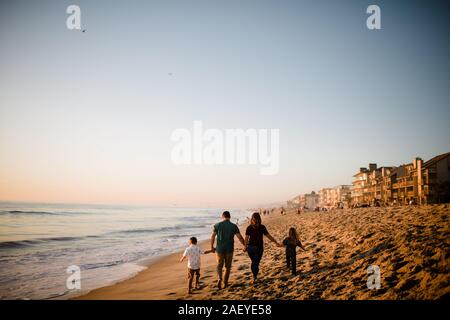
(256, 233)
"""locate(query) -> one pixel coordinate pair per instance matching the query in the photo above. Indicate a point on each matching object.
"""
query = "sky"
(87, 117)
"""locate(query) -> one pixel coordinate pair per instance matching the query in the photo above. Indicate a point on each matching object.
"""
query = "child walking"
(291, 243)
(192, 253)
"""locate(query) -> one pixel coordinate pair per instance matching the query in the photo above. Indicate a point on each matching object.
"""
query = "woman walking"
(254, 242)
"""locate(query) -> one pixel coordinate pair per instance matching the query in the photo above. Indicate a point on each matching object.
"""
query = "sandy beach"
(409, 244)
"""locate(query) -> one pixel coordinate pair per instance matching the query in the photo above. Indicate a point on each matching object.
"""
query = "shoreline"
(407, 243)
(156, 262)
(160, 263)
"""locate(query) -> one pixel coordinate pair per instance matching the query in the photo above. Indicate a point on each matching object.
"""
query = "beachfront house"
(310, 201)
(417, 182)
(360, 185)
(334, 197)
(343, 195)
(422, 183)
(378, 190)
(327, 198)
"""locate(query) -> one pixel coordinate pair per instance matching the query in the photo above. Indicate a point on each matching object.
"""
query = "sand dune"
(409, 244)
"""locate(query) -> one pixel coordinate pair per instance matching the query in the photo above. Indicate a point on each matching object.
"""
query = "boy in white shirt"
(193, 253)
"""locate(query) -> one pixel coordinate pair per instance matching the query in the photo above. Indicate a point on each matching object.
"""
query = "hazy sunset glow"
(87, 117)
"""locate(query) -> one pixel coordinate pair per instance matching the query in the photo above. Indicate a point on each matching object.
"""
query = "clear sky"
(87, 117)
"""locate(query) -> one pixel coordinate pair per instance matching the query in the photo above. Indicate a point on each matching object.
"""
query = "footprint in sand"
(339, 288)
(367, 236)
(407, 284)
(238, 285)
(357, 282)
(400, 264)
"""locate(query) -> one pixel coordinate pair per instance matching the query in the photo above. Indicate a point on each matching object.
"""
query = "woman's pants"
(255, 253)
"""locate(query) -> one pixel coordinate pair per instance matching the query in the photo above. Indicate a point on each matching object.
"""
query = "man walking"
(225, 232)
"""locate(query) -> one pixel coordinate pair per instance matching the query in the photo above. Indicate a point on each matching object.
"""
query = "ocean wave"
(162, 229)
(41, 241)
(174, 233)
(41, 213)
(38, 241)
(18, 212)
(89, 266)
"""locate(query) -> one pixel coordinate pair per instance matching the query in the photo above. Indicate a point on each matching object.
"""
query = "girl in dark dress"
(291, 243)
(254, 241)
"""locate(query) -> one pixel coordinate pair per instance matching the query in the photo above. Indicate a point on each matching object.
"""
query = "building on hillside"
(343, 195)
(378, 190)
(338, 196)
(360, 185)
(436, 180)
(402, 187)
(418, 182)
(422, 183)
(294, 203)
(309, 201)
(327, 197)
(369, 185)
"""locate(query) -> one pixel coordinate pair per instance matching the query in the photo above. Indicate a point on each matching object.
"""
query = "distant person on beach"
(193, 253)
(254, 240)
(291, 243)
(225, 232)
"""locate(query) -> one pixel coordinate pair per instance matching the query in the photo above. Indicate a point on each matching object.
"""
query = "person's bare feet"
(219, 284)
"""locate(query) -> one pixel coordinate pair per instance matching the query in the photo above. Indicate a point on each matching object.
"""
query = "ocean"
(38, 242)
